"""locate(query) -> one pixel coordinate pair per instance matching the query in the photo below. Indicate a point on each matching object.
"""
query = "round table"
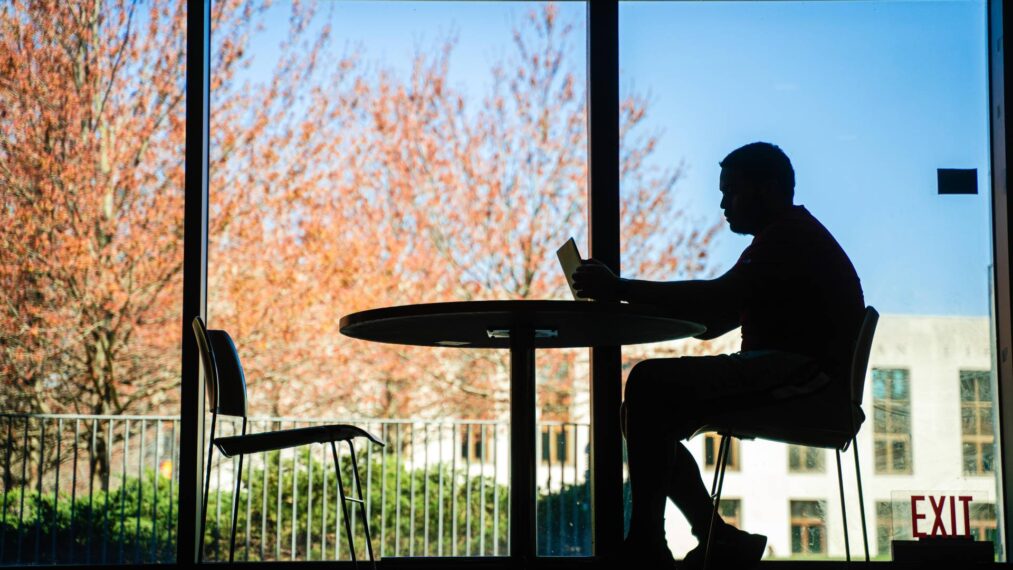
(521, 326)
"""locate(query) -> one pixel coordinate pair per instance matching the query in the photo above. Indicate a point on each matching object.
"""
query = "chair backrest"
(860, 358)
(224, 377)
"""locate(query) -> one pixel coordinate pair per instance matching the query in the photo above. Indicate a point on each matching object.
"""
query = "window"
(711, 448)
(983, 523)
(380, 151)
(476, 444)
(808, 527)
(731, 511)
(891, 393)
(556, 444)
(92, 132)
(778, 86)
(893, 522)
(802, 459)
(976, 422)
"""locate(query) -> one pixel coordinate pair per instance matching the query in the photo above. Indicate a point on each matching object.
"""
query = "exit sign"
(942, 515)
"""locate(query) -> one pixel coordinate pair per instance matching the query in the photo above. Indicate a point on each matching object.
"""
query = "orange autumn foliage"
(336, 185)
(91, 177)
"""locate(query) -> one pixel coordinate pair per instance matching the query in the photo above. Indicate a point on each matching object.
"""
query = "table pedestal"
(522, 446)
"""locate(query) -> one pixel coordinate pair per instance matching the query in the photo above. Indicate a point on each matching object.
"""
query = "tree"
(336, 185)
(91, 178)
(373, 189)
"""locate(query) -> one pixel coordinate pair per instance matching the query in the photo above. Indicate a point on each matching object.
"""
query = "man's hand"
(594, 280)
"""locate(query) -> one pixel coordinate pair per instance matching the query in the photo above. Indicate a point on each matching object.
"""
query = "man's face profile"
(738, 201)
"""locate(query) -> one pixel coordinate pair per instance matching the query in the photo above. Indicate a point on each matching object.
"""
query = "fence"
(103, 489)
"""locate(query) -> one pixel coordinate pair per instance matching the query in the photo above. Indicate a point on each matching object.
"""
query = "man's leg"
(686, 489)
(666, 401)
(661, 406)
(649, 456)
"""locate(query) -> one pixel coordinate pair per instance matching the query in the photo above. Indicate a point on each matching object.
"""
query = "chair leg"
(717, 463)
(207, 488)
(362, 505)
(235, 510)
(861, 497)
(235, 502)
(344, 507)
(719, 472)
(844, 507)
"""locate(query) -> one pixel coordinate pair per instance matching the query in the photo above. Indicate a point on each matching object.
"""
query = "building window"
(802, 459)
(891, 394)
(808, 527)
(893, 522)
(983, 522)
(978, 435)
(731, 511)
(557, 444)
(473, 442)
(711, 446)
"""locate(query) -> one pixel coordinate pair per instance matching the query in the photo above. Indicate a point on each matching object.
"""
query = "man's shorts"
(775, 392)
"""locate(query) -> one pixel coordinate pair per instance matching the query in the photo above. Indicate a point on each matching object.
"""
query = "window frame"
(604, 240)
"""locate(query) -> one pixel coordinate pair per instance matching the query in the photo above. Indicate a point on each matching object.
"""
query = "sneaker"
(647, 554)
(730, 548)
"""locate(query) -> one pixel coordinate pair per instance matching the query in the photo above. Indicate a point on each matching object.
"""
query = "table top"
(487, 324)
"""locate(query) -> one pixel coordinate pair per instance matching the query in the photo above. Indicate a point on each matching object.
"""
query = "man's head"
(757, 182)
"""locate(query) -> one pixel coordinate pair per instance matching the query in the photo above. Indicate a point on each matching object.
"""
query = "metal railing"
(103, 489)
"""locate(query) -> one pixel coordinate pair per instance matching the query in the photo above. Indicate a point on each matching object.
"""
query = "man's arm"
(715, 303)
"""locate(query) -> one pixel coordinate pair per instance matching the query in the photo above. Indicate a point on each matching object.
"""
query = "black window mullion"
(603, 230)
(195, 235)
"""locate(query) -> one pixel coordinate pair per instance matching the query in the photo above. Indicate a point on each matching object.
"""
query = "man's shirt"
(802, 292)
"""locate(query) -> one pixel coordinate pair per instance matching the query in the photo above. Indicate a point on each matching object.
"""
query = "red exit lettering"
(938, 507)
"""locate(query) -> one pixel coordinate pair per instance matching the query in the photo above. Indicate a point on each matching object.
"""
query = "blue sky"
(867, 98)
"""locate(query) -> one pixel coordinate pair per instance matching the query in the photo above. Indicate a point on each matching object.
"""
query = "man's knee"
(658, 388)
(646, 376)
(648, 390)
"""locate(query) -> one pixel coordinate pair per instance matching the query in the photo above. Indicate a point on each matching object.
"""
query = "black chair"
(837, 438)
(226, 387)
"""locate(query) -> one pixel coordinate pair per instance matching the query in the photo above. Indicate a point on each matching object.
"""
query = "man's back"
(803, 294)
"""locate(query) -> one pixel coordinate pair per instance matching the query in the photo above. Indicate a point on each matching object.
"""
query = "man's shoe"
(730, 548)
(647, 554)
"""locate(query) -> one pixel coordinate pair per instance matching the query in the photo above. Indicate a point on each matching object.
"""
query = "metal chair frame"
(224, 374)
(859, 366)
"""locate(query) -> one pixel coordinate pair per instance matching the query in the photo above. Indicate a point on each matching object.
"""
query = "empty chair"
(837, 437)
(226, 388)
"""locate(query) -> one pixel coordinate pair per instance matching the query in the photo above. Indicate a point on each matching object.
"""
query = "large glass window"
(91, 222)
(373, 154)
(869, 100)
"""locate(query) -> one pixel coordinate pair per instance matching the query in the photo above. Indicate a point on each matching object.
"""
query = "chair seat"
(283, 439)
(800, 422)
(826, 438)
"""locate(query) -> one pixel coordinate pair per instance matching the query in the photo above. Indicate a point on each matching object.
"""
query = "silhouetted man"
(799, 302)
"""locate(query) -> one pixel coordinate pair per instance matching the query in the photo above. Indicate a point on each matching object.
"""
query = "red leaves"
(334, 188)
(93, 208)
